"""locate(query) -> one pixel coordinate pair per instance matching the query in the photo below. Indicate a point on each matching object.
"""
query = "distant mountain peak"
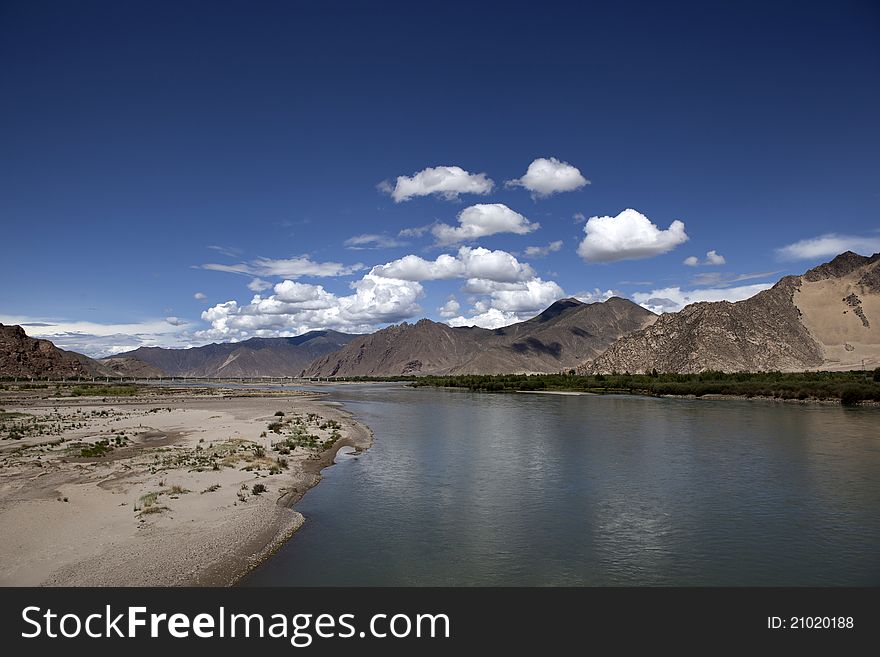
(557, 308)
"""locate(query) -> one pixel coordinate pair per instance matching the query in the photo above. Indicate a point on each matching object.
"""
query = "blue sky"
(154, 152)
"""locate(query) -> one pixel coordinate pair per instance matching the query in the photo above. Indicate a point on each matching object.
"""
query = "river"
(464, 488)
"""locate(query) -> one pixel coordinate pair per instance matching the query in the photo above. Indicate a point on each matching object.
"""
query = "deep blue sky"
(135, 135)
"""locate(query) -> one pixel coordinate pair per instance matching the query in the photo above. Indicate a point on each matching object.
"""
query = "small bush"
(258, 488)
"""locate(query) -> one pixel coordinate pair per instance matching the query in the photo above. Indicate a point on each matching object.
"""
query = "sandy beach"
(165, 487)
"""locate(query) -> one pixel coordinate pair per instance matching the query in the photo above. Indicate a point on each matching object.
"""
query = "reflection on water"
(466, 488)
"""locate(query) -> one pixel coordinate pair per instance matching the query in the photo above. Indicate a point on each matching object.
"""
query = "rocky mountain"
(828, 318)
(254, 357)
(23, 356)
(560, 338)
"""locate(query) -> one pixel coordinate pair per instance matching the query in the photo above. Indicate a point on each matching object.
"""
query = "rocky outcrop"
(24, 357)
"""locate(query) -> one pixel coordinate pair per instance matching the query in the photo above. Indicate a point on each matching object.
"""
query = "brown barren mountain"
(828, 318)
(558, 339)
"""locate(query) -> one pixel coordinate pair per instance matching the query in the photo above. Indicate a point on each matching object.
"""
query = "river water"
(464, 488)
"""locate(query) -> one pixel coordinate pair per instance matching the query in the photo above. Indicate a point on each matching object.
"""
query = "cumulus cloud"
(828, 246)
(712, 258)
(296, 308)
(450, 308)
(200, 296)
(295, 267)
(507, 303)
(504, 289)
(447, 182)
(628, 236)
(478, 262)
(592, 296)
(481, 220)
(258, 285)
(372, 241)
(548, 176)
(543, 251)
(673, 299)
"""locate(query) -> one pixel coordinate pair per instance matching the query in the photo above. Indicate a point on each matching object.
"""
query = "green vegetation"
(297, 431)
(848, 387)
(101, 447)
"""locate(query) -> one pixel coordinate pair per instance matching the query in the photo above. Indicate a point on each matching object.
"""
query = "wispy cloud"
(721, 279)
(828, 246)
(372, 241)
(230, 251)
(296, 267)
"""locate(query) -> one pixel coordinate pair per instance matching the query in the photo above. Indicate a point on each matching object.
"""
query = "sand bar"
(163, 488)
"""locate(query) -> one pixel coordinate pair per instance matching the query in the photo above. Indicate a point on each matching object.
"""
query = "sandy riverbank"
(161, 488)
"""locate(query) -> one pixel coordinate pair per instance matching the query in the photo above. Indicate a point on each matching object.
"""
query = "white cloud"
(628, 236)
(579, 217)
(372, 241)
(446, 182)
(258, 285)
(469, 262)
(481, 220)
(720, 279)
(828, 246)
(673, 299)
(450, 308)
(490, 319)
(507, 303)
(296, 267)
(418, 231)
(543, 251)
(712, 258)
(200, 296)
(296, 308)
(596, 295)
(547, 176)
(97, 340)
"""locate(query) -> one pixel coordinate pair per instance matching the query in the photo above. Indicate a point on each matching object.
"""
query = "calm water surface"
(466, 488)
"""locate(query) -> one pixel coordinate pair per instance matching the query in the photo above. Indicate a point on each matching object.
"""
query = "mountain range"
(253, 357)
(827, 318)
(560, 338)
